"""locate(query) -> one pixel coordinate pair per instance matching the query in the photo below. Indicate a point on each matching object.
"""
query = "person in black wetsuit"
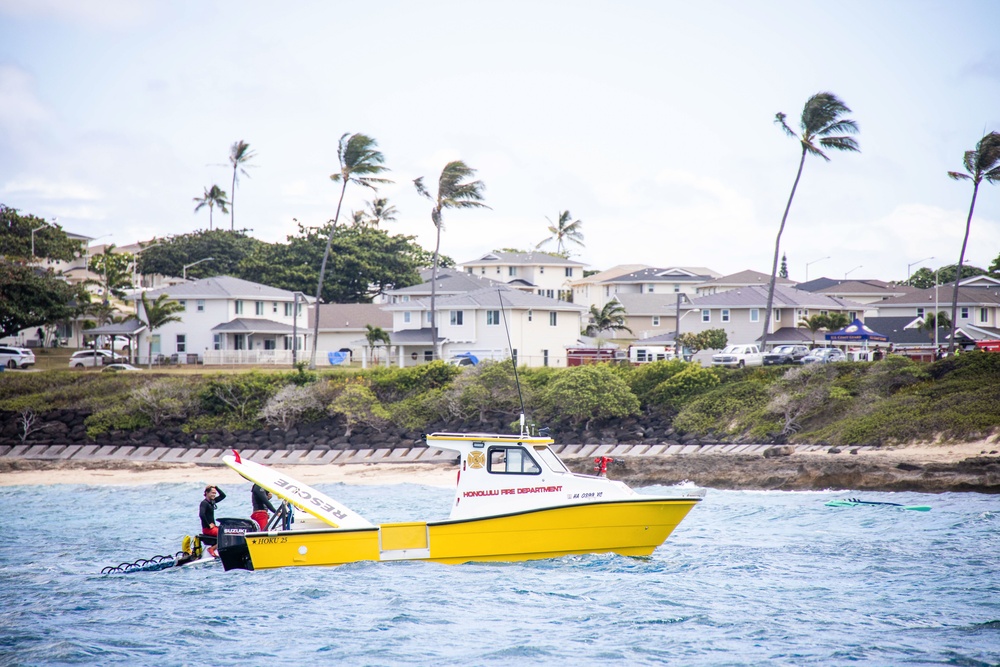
(213, 496)
(261, 500)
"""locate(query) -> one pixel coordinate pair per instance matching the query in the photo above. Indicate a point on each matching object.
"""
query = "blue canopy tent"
(856, 332)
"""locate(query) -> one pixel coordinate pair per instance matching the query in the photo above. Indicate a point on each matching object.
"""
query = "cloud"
(20, 107)
(50, 190)
(113, 14)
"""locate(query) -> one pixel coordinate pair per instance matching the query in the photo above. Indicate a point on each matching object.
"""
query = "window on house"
(965, 313)
(650, 289)
(511, 270)
(607, 290)
(984, 315)
(274, 307)
(406, 298)
(545, 357)
(530, 314)
(483, 271)
(201, 305)
(569, 271)
(428, 355)
(239, 341)
(656, 320)
(553, 319)
(217, 341)
(725, 314)
(239, 307)
(428, 317)
(498, 269)
(492, 317)
(853, 315)
(920, 312)
(706, 315)
(755, 314)
(550, 293)
(184, 304)
(181, 343)
(258, 307)
(288, 310)
(468, 269)
(777, 315)
(269, 344)
(406, 316)
(457, 318)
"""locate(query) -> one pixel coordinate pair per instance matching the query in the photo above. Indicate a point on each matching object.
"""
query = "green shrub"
(729, 408)
(117, 417)
(393, 384)
(239, 397)
(584, 393)
(646, 377)
(359, 406)
(681, 387)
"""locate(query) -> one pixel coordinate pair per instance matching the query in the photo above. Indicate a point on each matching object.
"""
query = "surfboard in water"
(301, 495)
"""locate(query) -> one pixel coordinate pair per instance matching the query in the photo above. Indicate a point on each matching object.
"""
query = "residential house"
(740, 313)
(535, 272)
(342, 326)
(674, 280)
(449, 283)
(740, 279)
(646, 315)
(228, 320)
(490, 323)
(587, 290)
(861, 291)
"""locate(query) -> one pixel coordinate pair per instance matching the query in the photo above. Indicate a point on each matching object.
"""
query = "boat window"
(550, 459)
(512, 461)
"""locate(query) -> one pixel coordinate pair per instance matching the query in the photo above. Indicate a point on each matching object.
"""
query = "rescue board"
(299, 494)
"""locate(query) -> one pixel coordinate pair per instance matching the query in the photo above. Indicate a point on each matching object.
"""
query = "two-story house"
(587, 290)
(535, 272)
(861, 291)
(978, 314)
(674, 280)
(740, 279)
(227, 320)
(481, 322)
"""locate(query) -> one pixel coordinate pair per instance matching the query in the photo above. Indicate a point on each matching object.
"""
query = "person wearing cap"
(213, 496)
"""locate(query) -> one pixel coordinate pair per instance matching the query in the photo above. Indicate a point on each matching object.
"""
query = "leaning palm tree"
(360, 163)
(239, 155)
(822, 126)
(454, 191)
(563, 231)
(983, 162)
(156, 314)
(214, 196)
(609, 318)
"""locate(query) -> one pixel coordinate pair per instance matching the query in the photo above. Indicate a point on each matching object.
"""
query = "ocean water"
(749, 578)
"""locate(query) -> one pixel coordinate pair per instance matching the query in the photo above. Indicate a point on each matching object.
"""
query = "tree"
(214, 196)
(114, 270)
(455, 190)
(815, 323)
(924, 278)
(564, 231)
(981, 163)
(784, 266)
(609, 318)
(227, 249)
(239, 155)
(836, 321)
(376, 335)
(822, 126)
(934, 321)
(360, 163)
(710, 339)
(380, 210)
(50, 241)
(157, 314)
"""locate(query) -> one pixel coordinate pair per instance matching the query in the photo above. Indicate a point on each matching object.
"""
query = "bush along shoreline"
(889, 402)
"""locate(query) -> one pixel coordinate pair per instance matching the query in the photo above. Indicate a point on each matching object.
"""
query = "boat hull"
(633, 527)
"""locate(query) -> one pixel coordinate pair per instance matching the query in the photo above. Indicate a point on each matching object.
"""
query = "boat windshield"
(512, 460)
(551, 461)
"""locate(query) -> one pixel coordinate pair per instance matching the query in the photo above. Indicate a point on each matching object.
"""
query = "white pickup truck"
(738, 356)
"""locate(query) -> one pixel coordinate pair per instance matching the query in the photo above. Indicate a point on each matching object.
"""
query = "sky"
(651, 122)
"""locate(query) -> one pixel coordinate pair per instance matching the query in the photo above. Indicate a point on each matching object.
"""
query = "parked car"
(120, 368)
(463, 359)
(92, 358)
(738, 356)
(824, 355)
(785, 354)
(16, 357)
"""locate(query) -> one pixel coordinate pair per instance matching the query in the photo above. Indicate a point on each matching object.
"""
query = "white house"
(478, 322)
(673, 280)
(537, 272)
(343, 326)
(227, 320)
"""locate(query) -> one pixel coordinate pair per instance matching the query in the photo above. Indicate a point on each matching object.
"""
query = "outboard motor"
(232, 544)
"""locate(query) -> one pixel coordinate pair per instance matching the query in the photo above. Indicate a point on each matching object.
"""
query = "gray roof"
(522, 259)
(670, 275)
(748, 277)
(252, 326)
(129, 327)
(412, 337)
(755, 296)
(648, 304)
(967, 296)
(449, 281)
(489, 298)
(895, 329)
(350, 316)
(222, 287)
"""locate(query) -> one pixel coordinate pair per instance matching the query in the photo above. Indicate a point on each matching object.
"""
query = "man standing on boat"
(213, 496)
(261, 500)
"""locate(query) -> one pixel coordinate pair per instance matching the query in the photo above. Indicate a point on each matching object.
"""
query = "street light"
(188, 266)
(135, 263)
(914, 264)
(852, 270)
(295, 327)
(813, 262)
(33, 237)
(86, 266)
(677, 324)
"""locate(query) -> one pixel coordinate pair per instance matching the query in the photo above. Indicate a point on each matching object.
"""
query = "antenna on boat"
(513, 361)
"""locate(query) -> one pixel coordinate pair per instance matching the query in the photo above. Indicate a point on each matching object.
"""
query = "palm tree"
(454, 191)
(380, 210)
(214, 196)
(609, 318)
(359, 164)
(563, 231)
(376, 335)
(160, 312)
(814, 323)
(837, 321)
(983, 162)
(239, 155)
(821, 127)
(933, 321)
